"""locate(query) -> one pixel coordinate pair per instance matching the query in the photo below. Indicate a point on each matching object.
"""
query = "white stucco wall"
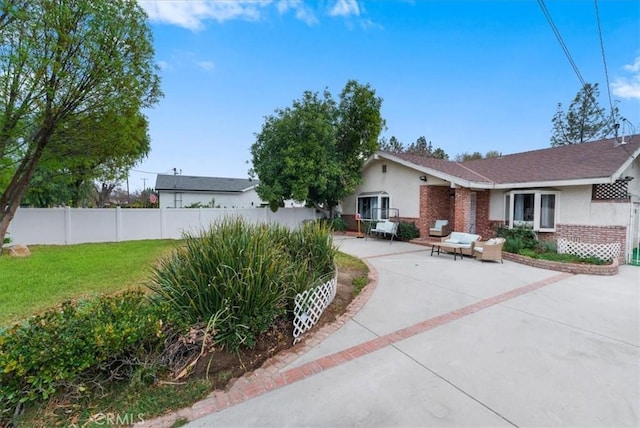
(401, 183)
(634, 185)
(574, 207)
(225, 200)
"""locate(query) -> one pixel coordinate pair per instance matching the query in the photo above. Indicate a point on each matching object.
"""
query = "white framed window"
(373, 205)
(536, 209)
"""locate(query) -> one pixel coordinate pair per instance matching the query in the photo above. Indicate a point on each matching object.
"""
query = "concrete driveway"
(455, 343)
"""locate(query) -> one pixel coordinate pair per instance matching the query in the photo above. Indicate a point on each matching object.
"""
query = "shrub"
(517, 238)
(311, 248)
(563, 258)
(407, 231)
(6, 240)
(51, 351)
(242, 274)
(337, 224)
(528, 253)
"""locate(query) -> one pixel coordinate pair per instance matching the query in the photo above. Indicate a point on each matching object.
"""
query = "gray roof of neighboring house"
(598, 159)
(189, 183)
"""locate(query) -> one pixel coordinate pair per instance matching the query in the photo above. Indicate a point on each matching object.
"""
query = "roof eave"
(434, 172)
(555, 183)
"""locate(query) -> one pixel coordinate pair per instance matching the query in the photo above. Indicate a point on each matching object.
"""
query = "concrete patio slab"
(455, 343)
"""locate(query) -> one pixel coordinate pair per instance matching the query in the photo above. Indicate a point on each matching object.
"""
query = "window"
(373, 205)
(384, 169)
(532, 208)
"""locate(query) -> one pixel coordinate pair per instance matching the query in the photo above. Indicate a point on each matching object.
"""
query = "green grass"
(53, 274)
(345, 261)
(124, 401)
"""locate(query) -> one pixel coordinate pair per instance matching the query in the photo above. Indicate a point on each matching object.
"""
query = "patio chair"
(440, 228)
(385, 228)
(489, 250)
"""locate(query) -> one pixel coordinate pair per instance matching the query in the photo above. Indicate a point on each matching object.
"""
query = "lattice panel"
(617, 190)
(309, 306)
(584, 249)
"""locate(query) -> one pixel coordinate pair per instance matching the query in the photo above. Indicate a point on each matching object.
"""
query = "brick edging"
(575, 268)
(268, 376)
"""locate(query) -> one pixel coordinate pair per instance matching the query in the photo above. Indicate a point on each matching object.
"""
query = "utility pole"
(144, 184)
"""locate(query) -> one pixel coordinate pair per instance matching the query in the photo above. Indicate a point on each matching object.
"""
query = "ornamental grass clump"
(240, 273)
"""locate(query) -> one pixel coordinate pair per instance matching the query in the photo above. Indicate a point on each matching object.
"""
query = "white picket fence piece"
(609, 251)
(309, 306)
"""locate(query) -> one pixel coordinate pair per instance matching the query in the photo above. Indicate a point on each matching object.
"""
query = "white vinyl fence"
(60, 226)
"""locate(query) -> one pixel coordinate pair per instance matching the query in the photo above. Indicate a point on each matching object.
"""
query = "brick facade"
(462, 214)
(594, 235)
(483, 226)
(435, 204)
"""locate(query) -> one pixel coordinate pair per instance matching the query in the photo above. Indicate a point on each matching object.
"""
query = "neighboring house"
(180, 191)
(587, 192)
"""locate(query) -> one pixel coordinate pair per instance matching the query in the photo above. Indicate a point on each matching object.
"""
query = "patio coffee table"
(456, 249)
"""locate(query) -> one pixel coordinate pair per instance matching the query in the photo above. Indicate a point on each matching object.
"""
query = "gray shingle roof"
(598, 159)
(203, 184)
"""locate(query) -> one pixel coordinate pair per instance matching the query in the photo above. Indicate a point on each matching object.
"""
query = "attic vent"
(614, 191)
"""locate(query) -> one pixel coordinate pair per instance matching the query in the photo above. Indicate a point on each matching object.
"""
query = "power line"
(604, 59)
(561, 41)
(588, 93)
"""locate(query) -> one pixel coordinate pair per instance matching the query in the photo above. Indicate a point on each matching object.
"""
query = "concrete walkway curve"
(452, 343)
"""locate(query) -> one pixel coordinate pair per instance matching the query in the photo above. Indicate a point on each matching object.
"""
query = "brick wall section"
(462, 220)
(483, 226)
(574, 268)
(435, 204)
(594, 235)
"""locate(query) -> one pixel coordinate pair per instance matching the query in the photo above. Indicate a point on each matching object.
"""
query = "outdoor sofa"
(467, 241)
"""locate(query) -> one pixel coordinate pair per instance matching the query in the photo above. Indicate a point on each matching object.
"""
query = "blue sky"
(467, 75)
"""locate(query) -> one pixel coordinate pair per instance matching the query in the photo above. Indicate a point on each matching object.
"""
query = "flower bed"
(575, 268)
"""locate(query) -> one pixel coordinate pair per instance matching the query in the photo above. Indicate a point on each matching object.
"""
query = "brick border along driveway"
(271, 376)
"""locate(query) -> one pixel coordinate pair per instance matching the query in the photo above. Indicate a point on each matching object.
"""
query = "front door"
(472, 213)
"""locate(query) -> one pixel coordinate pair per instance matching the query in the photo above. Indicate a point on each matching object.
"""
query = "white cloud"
(206, 65)
(635, 67)
(368, 24)
(302, 12)
(628, 87)
(345, 8)
(191, 14)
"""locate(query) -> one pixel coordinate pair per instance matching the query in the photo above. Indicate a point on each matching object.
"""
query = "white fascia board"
(555, 183)
(627, 163)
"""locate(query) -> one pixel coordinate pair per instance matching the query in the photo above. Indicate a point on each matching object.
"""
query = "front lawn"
(53, 274)
(121, 355)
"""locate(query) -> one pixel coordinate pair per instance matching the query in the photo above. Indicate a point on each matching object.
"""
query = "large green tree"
(393, 145)
(466, 156)
(314, 150)
(584, 121)
(65, 63)
(421, 147)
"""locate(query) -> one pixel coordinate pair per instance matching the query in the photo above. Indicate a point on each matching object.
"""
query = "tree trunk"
(104, 194)
(12, 196)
